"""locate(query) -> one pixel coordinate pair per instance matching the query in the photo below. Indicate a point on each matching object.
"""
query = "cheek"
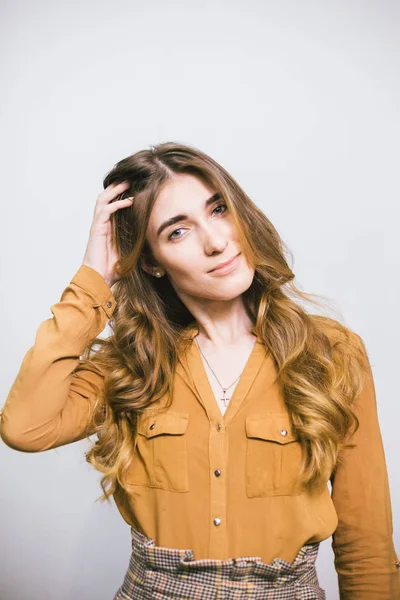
(186, 272)
(183, 258)
(185, 268)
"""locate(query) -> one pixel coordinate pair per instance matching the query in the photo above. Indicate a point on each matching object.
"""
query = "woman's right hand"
(100, 252)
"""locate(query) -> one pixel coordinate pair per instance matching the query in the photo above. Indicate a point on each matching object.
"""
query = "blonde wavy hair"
(320, 362)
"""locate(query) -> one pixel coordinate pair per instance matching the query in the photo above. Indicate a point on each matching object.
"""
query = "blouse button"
(217, 472)
(283, 432)
(152, 426)
(217, 521)
(109, 304)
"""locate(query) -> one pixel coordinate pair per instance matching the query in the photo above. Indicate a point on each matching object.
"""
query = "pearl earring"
(158, 274)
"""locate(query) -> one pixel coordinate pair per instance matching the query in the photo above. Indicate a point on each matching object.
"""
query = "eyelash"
(179, 228)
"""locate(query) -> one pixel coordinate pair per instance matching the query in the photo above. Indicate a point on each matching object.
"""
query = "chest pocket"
(160, 456)
(273, 456)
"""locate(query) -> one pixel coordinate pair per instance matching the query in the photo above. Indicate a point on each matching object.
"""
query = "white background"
(298, 100)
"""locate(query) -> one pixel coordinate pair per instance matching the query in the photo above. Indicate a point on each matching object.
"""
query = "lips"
(228, 262)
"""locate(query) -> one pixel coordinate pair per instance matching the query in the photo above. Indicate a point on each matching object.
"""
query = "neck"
(220, 335)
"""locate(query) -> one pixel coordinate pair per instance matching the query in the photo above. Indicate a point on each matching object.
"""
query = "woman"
(222, 408)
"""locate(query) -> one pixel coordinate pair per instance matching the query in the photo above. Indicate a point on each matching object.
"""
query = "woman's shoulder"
(337, 332)
(346, 347)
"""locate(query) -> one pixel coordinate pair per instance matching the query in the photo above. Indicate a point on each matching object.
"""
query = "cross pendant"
(225, 400)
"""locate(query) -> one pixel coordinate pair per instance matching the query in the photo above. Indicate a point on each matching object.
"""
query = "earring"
(158, 274)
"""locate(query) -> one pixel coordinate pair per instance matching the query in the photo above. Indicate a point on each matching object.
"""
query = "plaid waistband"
(160, 573)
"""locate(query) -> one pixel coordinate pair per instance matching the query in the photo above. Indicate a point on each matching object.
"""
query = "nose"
(214, 243)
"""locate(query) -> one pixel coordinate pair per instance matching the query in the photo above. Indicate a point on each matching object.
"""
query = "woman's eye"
(171, 235)
(219, 205)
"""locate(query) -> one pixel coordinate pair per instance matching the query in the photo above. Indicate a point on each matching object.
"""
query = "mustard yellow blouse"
(223, 485)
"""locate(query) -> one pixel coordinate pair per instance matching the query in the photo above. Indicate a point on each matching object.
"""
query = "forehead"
(179, 194)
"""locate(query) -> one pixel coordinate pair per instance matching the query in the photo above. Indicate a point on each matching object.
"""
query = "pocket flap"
(272, 427)
(170, 422)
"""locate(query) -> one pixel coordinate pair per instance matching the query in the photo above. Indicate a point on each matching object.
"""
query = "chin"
(231, 289)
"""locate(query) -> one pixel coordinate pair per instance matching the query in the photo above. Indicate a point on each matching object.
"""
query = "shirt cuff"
(96, 286)
(382, 586)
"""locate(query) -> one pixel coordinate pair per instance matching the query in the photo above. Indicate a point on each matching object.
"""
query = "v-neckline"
(203, 386)
(236, 382)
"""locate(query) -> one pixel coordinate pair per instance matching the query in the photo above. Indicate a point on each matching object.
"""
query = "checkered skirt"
(157, 573)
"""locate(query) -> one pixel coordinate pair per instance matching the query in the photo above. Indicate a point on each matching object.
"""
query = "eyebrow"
(184, 216)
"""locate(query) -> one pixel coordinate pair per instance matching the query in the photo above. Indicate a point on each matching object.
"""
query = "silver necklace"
(224, 399)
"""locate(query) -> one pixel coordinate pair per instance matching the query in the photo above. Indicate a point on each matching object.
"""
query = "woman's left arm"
(366, 562)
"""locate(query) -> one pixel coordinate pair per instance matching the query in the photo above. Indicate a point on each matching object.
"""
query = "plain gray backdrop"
(298, 100)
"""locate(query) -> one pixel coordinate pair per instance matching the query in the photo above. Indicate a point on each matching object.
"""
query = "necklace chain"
(225, 400)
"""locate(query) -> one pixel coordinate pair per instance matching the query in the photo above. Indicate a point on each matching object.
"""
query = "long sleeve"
(365, 558)
(48, 403)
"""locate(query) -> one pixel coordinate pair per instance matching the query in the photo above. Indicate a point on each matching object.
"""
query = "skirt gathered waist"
(158, 573)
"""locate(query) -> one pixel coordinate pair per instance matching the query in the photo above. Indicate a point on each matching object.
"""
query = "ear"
(153, 270)
(147, 268)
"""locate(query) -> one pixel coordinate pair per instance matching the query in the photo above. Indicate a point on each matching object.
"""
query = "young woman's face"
(201, 237)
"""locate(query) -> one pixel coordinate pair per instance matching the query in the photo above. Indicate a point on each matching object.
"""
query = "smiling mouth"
(226, 264)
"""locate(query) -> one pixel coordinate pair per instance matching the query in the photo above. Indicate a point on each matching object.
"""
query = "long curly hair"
(319, 361)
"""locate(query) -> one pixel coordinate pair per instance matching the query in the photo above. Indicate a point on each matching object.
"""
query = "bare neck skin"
(219, 333)
(227, 345)
(225, 366)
